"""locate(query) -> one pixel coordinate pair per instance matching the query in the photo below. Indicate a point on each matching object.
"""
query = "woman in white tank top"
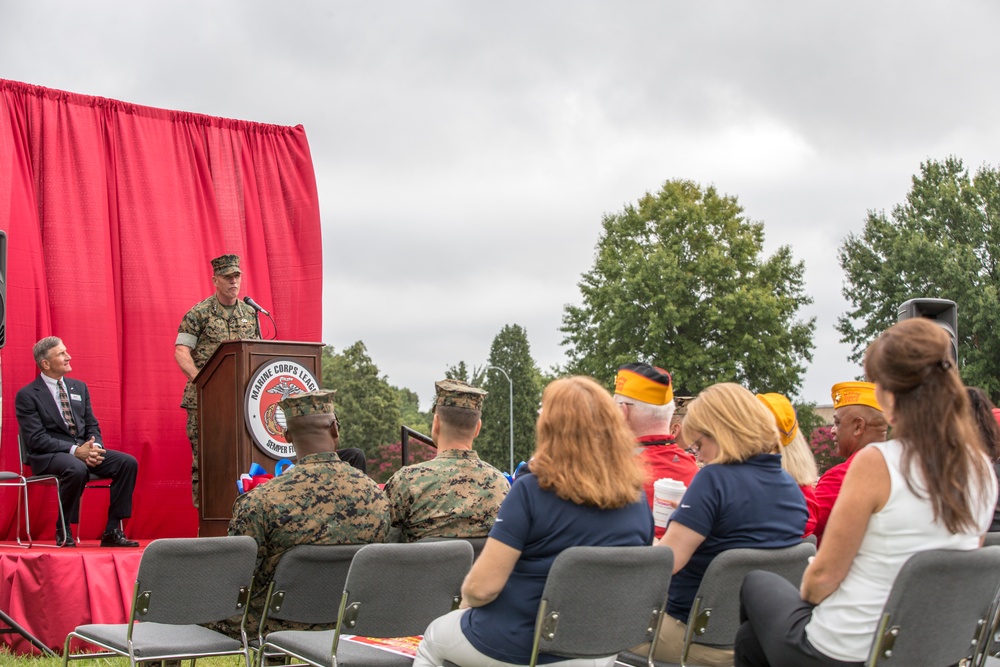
(891, 506)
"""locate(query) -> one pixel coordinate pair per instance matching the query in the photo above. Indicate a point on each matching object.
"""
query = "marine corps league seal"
(275, 380)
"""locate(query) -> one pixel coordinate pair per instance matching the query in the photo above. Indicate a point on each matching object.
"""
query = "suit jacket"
(40, 421)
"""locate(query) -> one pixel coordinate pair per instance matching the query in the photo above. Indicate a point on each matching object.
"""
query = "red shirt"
(827, 490)
(661, 458)
(809, 493)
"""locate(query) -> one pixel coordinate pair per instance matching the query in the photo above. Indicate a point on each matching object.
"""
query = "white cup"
(667, 494)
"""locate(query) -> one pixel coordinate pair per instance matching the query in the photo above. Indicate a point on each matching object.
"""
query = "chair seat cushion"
(316, 646)
(151, 640)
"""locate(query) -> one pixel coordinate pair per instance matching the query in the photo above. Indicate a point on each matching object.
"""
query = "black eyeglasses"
(694, 446)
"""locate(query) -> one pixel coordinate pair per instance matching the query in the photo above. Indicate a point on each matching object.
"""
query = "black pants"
(773, 633)
(73, 477)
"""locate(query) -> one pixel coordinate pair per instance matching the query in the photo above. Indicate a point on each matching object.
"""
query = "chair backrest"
(938, 610)
(598, 601)
(477, 542)
(715, 614)
(22, 452)
(309, 582)
(991, 540)
(194, 580)
(396, 590)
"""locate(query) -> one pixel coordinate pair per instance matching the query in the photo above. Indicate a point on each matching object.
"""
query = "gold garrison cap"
(854, 393)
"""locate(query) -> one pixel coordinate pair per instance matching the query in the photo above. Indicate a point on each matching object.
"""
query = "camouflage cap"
(681, 403)
(226, 265)
(458, 394)
(309, 403)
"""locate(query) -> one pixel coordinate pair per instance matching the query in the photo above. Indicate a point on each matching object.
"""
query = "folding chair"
(392, 590)
(182, 583)
(477, 542)
(715, 613)
(598, 601)
(938, 611)
(19, 479)
(307, 586)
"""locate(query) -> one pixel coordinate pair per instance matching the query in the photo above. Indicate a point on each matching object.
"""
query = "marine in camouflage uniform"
(321, 500)
(456, 494)
(204, 327)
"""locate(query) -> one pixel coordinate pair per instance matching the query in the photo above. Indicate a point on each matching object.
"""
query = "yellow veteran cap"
(645, 383)
(854, 393)
(784, 415)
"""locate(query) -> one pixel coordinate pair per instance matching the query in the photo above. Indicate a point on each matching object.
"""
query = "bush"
(388, 458)
(824, 448)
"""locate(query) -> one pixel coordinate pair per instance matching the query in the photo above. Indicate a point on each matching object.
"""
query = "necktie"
(66, 412)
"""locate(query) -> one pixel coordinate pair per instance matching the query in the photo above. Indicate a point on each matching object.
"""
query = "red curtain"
(112, 212)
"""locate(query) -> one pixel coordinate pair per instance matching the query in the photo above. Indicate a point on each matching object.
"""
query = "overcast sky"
(466, 151)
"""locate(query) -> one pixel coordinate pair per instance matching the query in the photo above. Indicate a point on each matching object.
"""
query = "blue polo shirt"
(541, 525)
(754, 504)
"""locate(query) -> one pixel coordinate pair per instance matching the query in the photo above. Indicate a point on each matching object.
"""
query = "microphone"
(256, 306)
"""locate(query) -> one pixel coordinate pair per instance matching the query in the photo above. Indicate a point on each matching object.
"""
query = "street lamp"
(510, 385)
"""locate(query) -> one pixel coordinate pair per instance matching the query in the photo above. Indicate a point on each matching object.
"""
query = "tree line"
(680, 280)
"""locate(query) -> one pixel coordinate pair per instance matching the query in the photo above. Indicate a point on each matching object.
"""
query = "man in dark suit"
(62, 438)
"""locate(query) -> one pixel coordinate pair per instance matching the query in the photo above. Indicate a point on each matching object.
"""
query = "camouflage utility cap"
(226, 265)
(681, 403)
(458, 394)
(309, 403)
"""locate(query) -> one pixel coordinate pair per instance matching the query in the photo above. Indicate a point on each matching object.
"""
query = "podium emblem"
(273, 381)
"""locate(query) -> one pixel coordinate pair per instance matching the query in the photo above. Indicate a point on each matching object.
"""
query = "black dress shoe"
(63, 541)
(116, 538)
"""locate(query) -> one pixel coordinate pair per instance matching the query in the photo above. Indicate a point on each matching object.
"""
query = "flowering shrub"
(388, 458)
(824, 448)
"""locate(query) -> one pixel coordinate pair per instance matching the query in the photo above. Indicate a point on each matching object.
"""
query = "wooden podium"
(226, 448)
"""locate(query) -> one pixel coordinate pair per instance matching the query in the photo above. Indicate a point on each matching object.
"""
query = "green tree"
(367, 406)
(511, 352)
(943, 242)
(475, 377)
(680, 281)
(410, 414)
(808, 419)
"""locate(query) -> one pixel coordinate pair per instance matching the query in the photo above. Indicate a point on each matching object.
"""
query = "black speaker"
(3, 287)
(943, 311)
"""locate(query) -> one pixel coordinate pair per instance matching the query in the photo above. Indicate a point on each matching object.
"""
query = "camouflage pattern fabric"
(192, 433)
(453, 495)
(207, 321)
(322, 500)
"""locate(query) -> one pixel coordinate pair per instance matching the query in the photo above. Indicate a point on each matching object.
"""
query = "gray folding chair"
(22, 481)
(181, 585)
(307, 586)
(392, 590)
(598, 601)
(938, 611)
(477, 542)
(715, 613)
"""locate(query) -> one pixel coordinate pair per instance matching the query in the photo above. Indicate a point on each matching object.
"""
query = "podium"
(229, 426)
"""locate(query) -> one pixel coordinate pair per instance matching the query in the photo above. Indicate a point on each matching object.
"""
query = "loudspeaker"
(944, 313)
(3, 287)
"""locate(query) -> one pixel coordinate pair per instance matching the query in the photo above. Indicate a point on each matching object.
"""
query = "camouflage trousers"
(192, 432)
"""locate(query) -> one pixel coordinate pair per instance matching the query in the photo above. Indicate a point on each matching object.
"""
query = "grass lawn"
(10, 660)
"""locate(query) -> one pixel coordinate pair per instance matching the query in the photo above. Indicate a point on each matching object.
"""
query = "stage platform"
(50, 591)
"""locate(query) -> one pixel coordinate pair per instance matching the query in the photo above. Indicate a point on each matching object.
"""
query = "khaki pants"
(670, 644)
